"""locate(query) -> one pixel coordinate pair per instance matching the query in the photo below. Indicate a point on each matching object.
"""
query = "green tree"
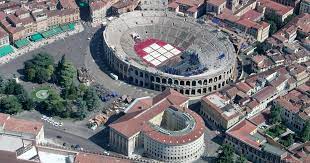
(261, 48)
(10, 105)
(2, 85)
(54, 104)
(275, 114)
(65, 72)
(273, 27)
(241, 159)
(305, 133)
(91, 98)
(13, 88)
(288, 19)
(81, 111)
(70, 93)
(26, 101)
(39, 69)
(227, 154)
(290, 139)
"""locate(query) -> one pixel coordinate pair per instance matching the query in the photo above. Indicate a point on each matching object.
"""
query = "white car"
(88, 38)
(60, 124)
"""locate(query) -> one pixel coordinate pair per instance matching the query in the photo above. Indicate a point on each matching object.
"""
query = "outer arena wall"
(152, 78)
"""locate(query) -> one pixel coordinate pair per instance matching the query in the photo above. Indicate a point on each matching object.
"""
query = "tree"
(290, 139)
(70, 93)
(261, 48)
(10, 105)
(54, 104)
(39, 69)
(241, 159)
(81, 111)
(227, 154)
(26, 101)
(13, 88)
(65, 72)
(305, 133)
(275, 114)
(288, 19)
(2, 85)
(273, 27)
(91, 98)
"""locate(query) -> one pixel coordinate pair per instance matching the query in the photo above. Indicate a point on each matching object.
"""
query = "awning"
(72, 26)
(21, 43)
(5, 50)
(36, 37)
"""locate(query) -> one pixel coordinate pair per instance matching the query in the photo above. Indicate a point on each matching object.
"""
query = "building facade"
(163, 127)
(4, 38)
(304, 7)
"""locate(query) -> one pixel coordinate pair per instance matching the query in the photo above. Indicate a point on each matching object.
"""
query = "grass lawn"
(276, 130)
(40, 93)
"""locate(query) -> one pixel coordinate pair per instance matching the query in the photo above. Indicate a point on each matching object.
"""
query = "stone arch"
(188, 83)
(170, 81)
(193, 83)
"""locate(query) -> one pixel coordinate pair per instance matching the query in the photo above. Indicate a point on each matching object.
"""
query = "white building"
(162, 127)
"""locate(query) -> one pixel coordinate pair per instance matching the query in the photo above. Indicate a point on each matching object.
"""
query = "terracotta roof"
(252, 104)
(291, 159)
(124, 3)
(231, 92)
(277, 7)
(19, 125)
(264, 93)
(242, 131)
(142, 110)
(252, 15)
(257, 59)
(228, 15)
(173, 5)
(284, 103)
(244, 87)
(260, 118)
(68, 4)
(216, 2)
(98, 5)
(196, 3)
(96, 158)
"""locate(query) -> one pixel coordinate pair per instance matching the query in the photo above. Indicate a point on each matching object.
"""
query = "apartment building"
(219, 110)
(247, 140)
(124, 6)
(215, 6)
(304, 7)
(4, 38)
(269, 7)
(193, 8)
(27, 19)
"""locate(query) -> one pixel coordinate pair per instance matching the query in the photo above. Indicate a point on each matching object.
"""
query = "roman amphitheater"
(159, 49)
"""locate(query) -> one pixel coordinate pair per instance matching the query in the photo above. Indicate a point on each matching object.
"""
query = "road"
(70, 139)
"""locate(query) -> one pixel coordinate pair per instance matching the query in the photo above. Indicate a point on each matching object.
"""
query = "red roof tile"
(264, 93)
(252, 15)
(24, 126)
(96, 158)
(242, 131)
(277, 7)
(216, 2)
(143, 110)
